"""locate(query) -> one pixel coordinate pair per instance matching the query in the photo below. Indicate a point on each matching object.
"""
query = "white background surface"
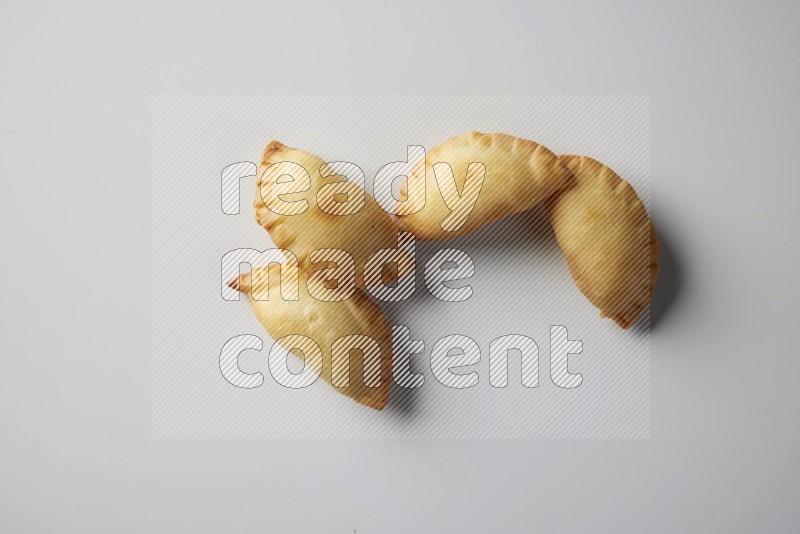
(76, 453)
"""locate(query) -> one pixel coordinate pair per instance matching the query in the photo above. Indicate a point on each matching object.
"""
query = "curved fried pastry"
(366, 229)
(518, 175)
(325, 323)
(608, 239)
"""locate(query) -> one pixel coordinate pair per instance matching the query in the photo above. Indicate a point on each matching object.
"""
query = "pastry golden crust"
(325, 322)
(518, 175)
(360, 234)
(608, 239)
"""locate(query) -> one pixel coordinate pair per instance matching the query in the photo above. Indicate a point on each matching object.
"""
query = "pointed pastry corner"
(376, 402)
(240, 283)
(623, 322)
(271, 148)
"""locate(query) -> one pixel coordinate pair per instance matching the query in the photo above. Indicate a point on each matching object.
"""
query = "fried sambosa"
(304, 211)
(608, 239)
(496, 175)
(344, 332)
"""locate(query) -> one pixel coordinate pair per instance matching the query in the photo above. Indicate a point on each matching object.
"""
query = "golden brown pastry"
(608, 239)
(515, 175)
(325, 323)
(324, 213)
